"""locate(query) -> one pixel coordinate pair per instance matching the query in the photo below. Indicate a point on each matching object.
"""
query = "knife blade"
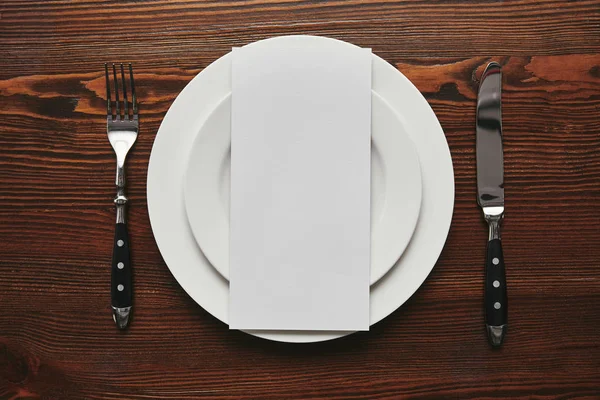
(490, 197)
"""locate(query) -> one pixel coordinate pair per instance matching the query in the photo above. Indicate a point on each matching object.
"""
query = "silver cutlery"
(122, 127)
(490, 196)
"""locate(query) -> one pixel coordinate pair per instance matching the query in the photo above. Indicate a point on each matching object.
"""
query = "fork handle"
(121, 279)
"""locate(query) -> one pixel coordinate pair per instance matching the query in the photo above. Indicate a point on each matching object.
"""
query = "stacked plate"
(412, 189)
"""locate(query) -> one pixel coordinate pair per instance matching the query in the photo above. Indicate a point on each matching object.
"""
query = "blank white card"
(300, 188)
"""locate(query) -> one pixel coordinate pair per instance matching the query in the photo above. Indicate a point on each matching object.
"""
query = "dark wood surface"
(57, 337)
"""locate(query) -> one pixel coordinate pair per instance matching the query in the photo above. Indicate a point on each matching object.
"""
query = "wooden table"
(57, 337)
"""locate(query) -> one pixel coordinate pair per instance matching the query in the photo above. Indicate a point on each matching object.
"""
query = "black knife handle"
(496, 300)
(121, 290)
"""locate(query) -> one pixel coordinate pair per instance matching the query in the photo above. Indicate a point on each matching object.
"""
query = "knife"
(490, 196)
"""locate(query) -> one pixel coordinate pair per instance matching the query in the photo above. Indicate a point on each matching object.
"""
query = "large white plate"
(395, 187)
(168, 216)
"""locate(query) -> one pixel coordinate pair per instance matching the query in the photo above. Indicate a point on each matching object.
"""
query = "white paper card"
(300, 188)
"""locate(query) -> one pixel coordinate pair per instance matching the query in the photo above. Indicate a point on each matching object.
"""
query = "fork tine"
(116, 91)
(108, 109)
(133, 97)
(126, 106)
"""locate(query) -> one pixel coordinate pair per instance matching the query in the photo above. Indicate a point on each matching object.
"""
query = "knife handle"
(121, 289)
(496, 300)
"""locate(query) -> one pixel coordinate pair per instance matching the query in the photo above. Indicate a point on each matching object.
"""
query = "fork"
(122, 129)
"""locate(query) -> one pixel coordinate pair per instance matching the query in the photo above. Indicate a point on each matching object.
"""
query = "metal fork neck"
(120, 180)
(120, 204)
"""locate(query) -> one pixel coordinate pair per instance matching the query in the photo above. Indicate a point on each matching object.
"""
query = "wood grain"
(57, 339)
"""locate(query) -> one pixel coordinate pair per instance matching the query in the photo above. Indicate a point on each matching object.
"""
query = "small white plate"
(169, 221)
(395, 187)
